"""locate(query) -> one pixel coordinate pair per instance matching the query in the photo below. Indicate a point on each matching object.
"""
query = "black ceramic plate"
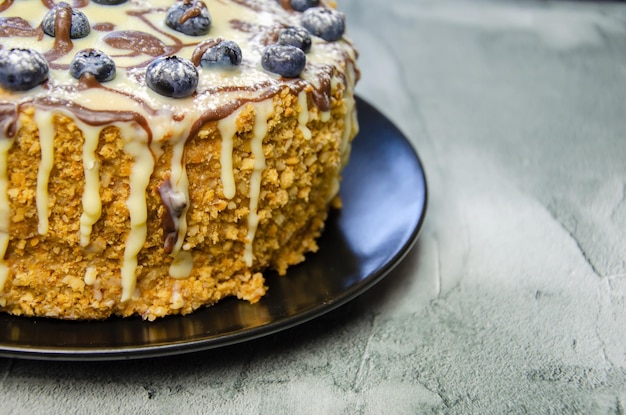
(384, 198)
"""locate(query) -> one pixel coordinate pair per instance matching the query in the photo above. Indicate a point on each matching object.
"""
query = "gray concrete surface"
(513, 299)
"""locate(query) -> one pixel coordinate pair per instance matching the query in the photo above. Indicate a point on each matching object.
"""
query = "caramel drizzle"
(203, 47)
(174, 209)
(194, 11)
(16, 26)
(5, 5)
(62, 26)
(138, 43)
(92, 117)
(286, 4)
(140, 14)
(103, 27)
(8, 119)
(226, 110)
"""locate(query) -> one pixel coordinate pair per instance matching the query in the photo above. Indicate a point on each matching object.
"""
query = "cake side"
(115, 201)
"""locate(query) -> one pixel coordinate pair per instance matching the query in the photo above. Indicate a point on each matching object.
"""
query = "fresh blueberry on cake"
(221, 53)
(190, 17)
(296, 36)
(158, 156)
(323, 22)
(62, 16)
(286, 60)
(172, 76)
(93, 62)
(302, 5)
(22, 69)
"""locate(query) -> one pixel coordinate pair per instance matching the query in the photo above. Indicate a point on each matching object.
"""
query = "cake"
(158, 156)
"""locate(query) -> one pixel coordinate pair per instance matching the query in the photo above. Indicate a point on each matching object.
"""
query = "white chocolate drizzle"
(325, 116)
(182, 264)
(263, 111)
(227, 128)
(43, 119)
(142, 168)
(90, 275)
(303, 117)
(92, 204)
(5, 211)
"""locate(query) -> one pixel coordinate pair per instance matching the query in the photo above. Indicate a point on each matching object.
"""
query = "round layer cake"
(158, 156)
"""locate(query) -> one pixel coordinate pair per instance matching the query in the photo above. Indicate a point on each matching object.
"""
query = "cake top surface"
(154, 59)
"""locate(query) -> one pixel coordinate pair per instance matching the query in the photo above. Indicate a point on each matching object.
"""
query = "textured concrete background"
(513, 299)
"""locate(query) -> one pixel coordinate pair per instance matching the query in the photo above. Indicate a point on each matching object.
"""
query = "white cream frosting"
(303, 116)
(138, 211)
(227, 128)
(92, 205)
(43, 119)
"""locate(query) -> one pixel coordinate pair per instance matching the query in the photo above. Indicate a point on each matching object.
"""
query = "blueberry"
(22, 69)
(79, 26)
(190, 17)
(172, 76)
(323, 22)
(94, 62)
(223, 54)
(109, 2)
(302, 5)
(295, 36)
(285, 60)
